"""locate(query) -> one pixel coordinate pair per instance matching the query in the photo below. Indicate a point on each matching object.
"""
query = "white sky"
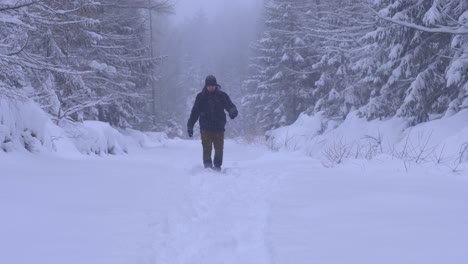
(186, 8)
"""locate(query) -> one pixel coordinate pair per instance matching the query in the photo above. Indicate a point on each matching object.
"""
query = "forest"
(126, 63)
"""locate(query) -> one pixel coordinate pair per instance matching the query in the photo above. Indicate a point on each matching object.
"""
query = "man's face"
(211, 88)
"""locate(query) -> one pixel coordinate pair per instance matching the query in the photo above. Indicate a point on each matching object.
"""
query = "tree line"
(82, 59)
(97, 60)
(382, 59)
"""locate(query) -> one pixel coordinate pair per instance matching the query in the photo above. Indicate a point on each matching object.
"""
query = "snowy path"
(160, 206)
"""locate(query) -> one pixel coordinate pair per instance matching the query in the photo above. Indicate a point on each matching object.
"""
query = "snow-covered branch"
(18, 5)
(458, 30)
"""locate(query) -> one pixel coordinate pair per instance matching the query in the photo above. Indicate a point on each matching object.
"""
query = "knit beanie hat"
(210, 80)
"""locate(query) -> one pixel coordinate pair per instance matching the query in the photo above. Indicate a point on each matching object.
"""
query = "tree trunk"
(153, 86)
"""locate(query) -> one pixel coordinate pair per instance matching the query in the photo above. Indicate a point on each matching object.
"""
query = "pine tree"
(339, 27)
(411, 64)
(279, 84)
(454, 15)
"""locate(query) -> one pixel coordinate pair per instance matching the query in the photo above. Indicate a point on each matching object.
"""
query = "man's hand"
(233, 114)
(190, 132)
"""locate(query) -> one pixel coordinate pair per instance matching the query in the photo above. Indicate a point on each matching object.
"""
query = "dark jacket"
(209, 107)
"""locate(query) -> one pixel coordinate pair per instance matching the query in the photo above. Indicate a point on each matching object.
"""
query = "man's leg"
(219, 148)
(207, 143)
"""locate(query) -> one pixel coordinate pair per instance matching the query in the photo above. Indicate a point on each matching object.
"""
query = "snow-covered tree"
(81, 59)
(411, 59)
(279, 85)
(339, 27)
(384, 58)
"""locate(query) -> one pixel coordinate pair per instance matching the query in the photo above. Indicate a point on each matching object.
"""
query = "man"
(209, 107)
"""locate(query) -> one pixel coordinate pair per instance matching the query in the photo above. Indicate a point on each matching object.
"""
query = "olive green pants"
(210, 139)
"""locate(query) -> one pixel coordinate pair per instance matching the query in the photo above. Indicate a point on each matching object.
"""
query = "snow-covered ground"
(158, 205)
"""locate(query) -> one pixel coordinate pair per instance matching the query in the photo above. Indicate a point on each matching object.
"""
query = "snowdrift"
(24, 126)
(147, 139)
(443, 140)
(94, 137)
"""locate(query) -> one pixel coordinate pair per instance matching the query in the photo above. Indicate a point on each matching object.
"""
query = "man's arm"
(194, 115)
(230, 107)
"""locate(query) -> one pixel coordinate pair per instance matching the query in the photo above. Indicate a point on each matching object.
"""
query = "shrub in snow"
(23, 126)
(30, 141)
(6, 139)
(335, 153)
(442, 140)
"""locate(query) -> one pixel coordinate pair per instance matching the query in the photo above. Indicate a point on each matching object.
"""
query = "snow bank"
(25, 126)
(440, 140)
(312, 134)
(99, 138)
(94, 137)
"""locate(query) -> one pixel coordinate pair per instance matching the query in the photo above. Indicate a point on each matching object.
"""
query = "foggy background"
(185, 9)
(201, 38)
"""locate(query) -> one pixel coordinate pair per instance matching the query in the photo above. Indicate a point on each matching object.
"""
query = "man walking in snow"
(209, 106)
